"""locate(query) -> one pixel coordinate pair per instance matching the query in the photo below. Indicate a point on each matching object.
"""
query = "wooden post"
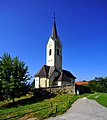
(69, 100)
(56, 109)
(51, 104)
(51, 107)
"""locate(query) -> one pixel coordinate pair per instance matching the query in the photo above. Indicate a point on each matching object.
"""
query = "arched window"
(50, 51)
(58, 52)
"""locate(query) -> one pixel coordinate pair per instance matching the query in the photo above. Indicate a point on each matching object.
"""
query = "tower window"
(50, 52)
(57, 51)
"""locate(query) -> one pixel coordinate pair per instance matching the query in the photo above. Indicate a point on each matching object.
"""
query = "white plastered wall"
(36, 82)
(50, 58)
(44, 82)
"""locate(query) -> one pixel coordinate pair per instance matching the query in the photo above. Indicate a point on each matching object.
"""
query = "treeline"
(13, 77)
(98, 84)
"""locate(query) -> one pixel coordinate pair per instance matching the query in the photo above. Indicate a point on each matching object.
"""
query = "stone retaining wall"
(61, 90)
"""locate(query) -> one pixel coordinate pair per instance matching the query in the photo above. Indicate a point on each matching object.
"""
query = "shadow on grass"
(38, 96)
(23, 114)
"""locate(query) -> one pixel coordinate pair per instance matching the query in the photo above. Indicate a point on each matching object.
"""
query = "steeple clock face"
(50, 44)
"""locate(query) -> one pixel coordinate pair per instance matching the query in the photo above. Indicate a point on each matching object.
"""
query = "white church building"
(52, 74)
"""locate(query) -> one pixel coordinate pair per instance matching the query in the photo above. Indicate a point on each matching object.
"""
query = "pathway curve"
(84, 109)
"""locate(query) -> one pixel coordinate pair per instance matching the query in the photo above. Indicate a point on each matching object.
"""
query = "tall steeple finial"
(54, 16)
(54, 30)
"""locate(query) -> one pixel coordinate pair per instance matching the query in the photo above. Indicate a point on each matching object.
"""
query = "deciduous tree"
(13, 76)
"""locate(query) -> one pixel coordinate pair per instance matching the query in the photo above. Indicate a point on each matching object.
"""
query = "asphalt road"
(84, 109)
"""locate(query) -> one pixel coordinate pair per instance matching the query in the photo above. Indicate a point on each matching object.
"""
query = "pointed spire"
(54, 30)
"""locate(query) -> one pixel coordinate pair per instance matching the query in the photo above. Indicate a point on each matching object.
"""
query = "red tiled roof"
(81, 83)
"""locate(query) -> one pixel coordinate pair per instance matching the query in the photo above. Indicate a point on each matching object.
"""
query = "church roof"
(46, 71)
(54, 34)
(52, 70)
(66, 75)
(43, 72)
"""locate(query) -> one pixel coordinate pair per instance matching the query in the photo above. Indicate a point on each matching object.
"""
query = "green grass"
(28, 107)
(101, 98)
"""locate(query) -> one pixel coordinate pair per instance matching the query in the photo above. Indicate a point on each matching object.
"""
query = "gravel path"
(84, 109)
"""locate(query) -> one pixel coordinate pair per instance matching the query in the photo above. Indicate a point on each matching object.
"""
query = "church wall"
(72, 81)
(50, 58)
(59, 83)
(47, 82)
(66, 83)
(54, 59)
(58, 58)
(63, 83)
(44, 82)
(59, 62)
(36, 82)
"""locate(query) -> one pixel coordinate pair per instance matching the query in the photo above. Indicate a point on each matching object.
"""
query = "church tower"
(54, 49)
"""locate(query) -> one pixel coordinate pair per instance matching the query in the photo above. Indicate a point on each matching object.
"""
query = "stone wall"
(43, 92)
(61, 90)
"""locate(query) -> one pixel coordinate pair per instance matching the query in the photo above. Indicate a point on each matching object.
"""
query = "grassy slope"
(101, 98)
(28, 106)
(31, 107)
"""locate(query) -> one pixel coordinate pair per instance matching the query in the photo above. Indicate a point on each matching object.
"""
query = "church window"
(57, 51)
(50, 51)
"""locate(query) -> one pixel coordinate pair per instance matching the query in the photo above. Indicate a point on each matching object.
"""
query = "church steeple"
(54, 30)
(54, 49)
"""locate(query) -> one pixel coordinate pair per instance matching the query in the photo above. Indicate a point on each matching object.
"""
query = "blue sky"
(26, 25)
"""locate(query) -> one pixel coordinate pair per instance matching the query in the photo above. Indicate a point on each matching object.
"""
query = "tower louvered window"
(50, 52)
(58, 52)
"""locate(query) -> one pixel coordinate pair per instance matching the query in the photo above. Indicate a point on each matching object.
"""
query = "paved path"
(84, 109)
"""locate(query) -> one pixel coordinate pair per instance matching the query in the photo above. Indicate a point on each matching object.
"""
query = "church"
(52, 74)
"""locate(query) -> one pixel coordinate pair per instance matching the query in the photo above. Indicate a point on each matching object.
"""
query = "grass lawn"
(29, 106)
(101, 98)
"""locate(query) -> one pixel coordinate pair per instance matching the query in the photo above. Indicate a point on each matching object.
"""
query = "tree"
(33, 84)
(13, 75)
(5, 74)
(1, 95)
(99, 84)
(84, 81)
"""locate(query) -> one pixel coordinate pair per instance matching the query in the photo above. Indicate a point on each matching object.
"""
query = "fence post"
(56, 110)
(51, 107)
(51, 104)
(69, 100)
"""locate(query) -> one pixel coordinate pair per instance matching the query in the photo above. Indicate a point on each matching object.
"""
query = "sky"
(26, 25)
